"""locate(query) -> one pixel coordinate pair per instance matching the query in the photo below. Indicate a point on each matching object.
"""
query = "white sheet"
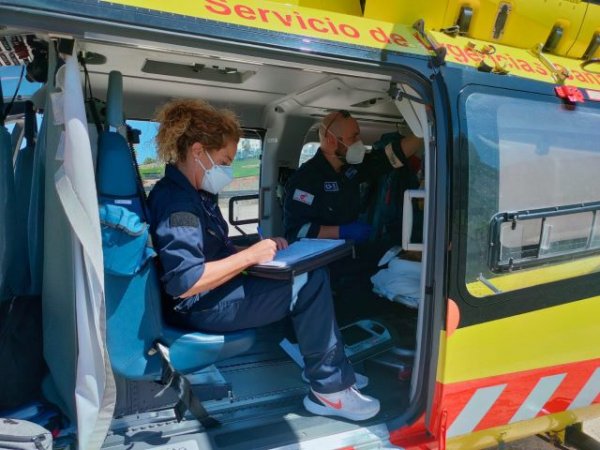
(400, 282)
(95, 393)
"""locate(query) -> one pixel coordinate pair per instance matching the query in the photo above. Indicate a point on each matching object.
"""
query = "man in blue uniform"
(322, 198)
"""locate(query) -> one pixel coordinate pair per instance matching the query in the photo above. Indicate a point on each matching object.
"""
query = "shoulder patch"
(184, 219)
(303, 197)
(331, 186)
(350, 172)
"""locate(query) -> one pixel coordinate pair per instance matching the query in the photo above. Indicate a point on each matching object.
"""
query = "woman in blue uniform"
(202, 270)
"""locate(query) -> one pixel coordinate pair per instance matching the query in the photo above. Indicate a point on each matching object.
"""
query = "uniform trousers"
(265, 301)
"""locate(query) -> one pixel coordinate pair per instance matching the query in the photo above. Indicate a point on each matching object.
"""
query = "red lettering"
(225, 11)
(379, 35)
(579, 76)
(425, 44)
(349, 30)
(245, 12)
(286, 20)
(524, 65)
(540, 69)
(594, 78)
(457, 52)
(263, 14)
(331, 26)
(473, 55)
(399, 40)
(300, 20)
(311, 23)
(513, 64)
(563, 69)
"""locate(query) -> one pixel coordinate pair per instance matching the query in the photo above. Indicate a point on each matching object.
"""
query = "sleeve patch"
(303, 197)
(184, 219)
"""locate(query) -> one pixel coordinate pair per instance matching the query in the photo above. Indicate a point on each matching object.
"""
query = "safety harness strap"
(187, 399)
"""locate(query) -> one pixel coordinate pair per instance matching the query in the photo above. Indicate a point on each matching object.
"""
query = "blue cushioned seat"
(132, 289)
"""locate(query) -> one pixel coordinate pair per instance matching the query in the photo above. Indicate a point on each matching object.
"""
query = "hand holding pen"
(281, 242)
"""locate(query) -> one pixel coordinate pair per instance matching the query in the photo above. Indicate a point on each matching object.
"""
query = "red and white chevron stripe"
(486, 403)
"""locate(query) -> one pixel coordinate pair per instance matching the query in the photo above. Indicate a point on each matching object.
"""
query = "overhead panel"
(524, 23)
(407, 13)
(518, 23)
(590, 30)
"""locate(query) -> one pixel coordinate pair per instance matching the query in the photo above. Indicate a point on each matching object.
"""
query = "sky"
(10, 78)
(146, 148)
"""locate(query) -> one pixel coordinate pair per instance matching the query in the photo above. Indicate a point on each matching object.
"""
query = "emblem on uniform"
(350, 172)
(331, 186)
(303, 197)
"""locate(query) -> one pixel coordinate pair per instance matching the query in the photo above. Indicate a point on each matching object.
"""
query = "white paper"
(302, 249)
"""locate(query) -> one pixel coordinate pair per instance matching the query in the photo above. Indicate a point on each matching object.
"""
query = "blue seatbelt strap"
(2, 118)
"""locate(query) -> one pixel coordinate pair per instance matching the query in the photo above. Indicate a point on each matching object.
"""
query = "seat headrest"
(114, 100)
(116, 173)
(116, 176)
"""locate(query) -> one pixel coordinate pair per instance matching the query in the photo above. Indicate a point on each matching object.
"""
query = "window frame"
(501, 218)
(554, 292)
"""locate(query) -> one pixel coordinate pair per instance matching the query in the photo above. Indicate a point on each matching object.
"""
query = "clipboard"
(302, 256)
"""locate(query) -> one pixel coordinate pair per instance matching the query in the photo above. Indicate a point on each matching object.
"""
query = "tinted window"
(533, 171)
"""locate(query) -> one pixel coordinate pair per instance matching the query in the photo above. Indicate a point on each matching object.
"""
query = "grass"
(241, 169)
(152, 170)
(246, 168)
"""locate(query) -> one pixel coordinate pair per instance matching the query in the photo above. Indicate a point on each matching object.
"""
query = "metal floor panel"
(265, 412)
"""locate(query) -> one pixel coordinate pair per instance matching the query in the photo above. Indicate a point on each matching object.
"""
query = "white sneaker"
(362, 381)
(349, 403)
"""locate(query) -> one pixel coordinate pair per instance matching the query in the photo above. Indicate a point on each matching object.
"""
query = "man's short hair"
(339, 113)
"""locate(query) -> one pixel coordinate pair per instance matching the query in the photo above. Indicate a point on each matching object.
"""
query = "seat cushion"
(192, 351)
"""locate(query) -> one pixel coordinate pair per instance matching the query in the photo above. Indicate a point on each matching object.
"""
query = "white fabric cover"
(400, 282)
(95, 392)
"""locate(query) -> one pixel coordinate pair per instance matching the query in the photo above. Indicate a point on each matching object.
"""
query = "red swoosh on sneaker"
(336, 405)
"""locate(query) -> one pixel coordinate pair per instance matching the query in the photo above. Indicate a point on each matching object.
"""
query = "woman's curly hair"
(185, 122)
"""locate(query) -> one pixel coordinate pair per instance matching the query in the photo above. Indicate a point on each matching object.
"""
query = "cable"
(14, 97)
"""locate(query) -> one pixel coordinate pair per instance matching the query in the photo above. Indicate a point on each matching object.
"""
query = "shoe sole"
(325, 411)
(356, 385)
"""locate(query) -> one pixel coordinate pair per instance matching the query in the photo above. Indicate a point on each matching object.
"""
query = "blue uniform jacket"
(188, 230)
(317, 195)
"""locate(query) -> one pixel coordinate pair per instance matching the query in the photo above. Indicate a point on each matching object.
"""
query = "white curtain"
(95, 393)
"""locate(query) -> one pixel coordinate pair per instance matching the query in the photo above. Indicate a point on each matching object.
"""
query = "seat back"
(386, 197)
(7, 208)
(23, 184)
(7, 215)
(132, 291)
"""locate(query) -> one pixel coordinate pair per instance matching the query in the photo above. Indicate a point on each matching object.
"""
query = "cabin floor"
(257, 396)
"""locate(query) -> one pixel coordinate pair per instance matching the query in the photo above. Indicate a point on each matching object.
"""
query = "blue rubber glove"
(357, 231)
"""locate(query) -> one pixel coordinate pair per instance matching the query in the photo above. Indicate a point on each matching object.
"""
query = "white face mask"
(356, 153)
(215, 178)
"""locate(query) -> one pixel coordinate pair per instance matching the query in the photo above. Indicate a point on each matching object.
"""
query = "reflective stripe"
(299, 282)
(537, 398)
(589, 392)
(473, 412)
(304, 230)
